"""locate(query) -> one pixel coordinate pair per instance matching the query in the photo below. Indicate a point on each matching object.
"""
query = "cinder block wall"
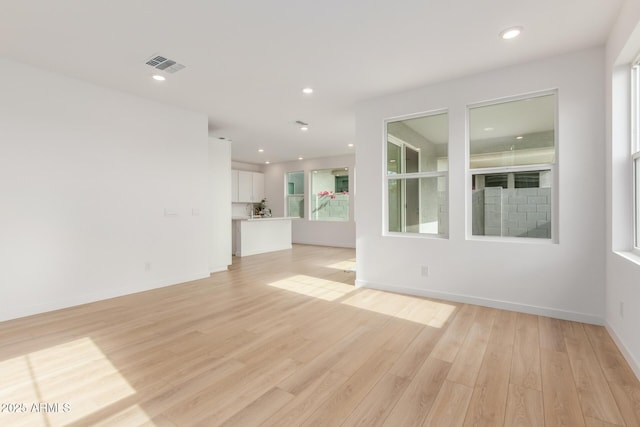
(515, 212)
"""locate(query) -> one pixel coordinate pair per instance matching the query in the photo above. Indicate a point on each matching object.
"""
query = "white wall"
(325, 233)
(564, 280)
(220, 198)
(241, 166)
(623, 268)
(86, 175)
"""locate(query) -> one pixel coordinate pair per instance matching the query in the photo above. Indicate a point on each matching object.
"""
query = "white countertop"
(269, 218)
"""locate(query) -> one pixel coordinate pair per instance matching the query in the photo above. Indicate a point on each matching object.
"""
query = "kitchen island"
(258, 235)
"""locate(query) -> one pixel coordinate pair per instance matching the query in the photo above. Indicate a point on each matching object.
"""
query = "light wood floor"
(284, 339)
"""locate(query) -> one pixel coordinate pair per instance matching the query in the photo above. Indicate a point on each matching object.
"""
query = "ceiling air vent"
(165, 64)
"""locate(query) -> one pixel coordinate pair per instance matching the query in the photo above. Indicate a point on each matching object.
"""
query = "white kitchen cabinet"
(234, 186)
(258, 187)
(247, 187)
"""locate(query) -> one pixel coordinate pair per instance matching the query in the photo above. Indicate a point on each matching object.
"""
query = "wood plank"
(450, 406)
(259, 410)
(595, 396)
(592, 422)
(489, 399)
(448, 346)
(415, 354)
(615, 367)
(467, 363)
(524, 407)
(340, 404)
(525, 365)
(551, 334)
(421, 393)
(307, 400)
(378, 403)
(560, 397)
(628, 399)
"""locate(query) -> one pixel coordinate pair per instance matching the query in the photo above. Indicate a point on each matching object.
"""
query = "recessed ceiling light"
(158, 77)
(307, 90)
(267, 162)
(510, 33)
(488, 129)
(260, 150)
(300, 158)
(392, 161)
(350, 145)
(519, 137)
(304, 128)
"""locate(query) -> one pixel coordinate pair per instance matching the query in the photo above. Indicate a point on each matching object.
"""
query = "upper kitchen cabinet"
(258, 187)
(247, 187)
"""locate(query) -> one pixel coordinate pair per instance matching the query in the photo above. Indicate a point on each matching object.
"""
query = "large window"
(330, 194)
(512, 156)
(635, 148)
(417, 175)
(295, 194)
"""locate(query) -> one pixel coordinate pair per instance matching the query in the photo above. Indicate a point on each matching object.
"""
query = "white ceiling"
(247, 61)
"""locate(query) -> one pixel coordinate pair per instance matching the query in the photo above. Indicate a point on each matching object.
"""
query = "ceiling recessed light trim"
(300, 158)
(510, 33)
(260, 150)
(267, 162)
(304, 128)
(158, 77)
(307, 90)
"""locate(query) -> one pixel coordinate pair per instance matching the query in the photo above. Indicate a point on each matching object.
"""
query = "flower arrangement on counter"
(331, 194)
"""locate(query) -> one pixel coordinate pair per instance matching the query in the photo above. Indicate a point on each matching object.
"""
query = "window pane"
(513, 133)
(295, 182)
(330, 194)
(418, 144)
(394, 153)
(496, 180)
(513, 211)
(418, 205)
(295, 194)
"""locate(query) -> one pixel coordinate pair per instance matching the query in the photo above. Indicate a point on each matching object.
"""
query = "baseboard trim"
(264, 251)
(633, 363)
(504, 305)
(218, 269)
(324, 244)
(77, 300)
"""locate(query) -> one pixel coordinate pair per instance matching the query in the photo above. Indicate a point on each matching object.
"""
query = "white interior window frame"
(403, 168)
(287, 195)
(309, 186)
(552, 167)
(635, 151)
(403, 176)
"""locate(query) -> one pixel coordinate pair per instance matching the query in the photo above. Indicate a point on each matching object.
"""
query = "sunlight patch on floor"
(327, 290)
(60, 384)
(133, 415)
(345, 265)
(406, 307)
